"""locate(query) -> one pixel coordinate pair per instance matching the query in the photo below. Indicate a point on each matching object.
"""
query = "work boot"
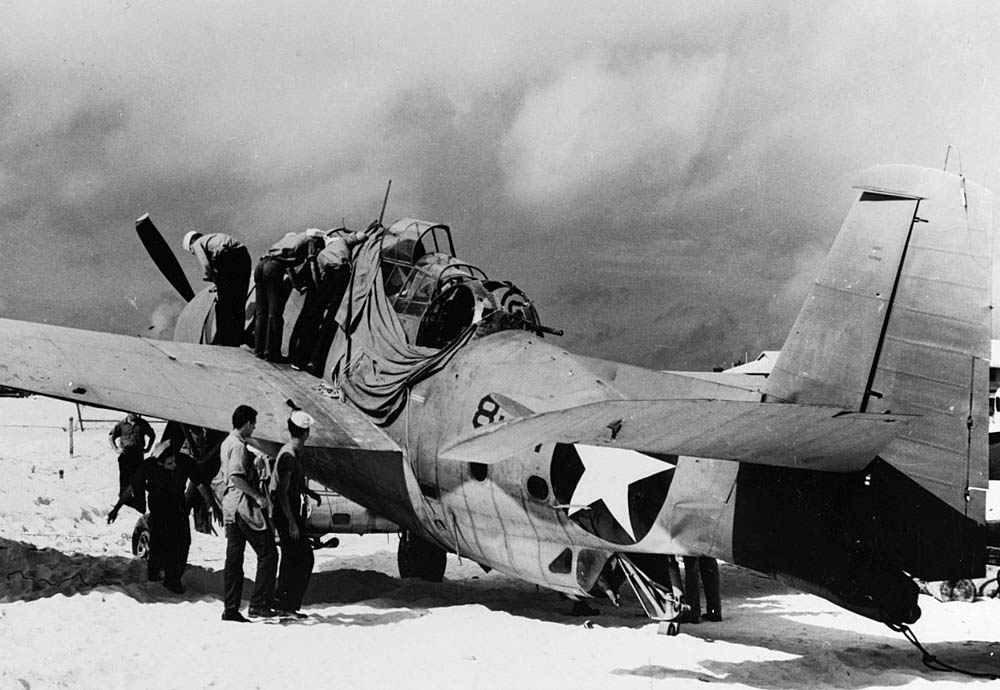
(291, 614)
(688, 617)
(711, 616)
(234, 615)
(262, 612)
(174, 586)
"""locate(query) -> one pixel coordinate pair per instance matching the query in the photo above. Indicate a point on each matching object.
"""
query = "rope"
(981, 592)
(931, 661)
(31, 426)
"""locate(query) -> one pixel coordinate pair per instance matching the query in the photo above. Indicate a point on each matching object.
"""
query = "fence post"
(71, 437)
(79, 416)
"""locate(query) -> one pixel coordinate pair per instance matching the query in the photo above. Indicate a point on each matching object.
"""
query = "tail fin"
(899, 321)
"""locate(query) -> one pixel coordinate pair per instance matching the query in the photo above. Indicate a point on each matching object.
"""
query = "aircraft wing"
(788, 435)
(194, 384)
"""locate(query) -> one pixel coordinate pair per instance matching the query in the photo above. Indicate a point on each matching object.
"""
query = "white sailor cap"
(189, 239)
(301, 419)
(315, 232)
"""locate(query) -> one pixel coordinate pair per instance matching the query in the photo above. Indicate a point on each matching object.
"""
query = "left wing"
(194, 384)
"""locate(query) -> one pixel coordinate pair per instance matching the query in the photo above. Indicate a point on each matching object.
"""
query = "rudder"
(899, 321)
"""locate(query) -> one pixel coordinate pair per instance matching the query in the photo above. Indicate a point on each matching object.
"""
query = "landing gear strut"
(660, 603)
(419, 558)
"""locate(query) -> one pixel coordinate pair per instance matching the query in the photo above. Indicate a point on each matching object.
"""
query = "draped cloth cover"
(371, 358)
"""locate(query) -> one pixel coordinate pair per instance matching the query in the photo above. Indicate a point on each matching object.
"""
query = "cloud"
(630, 165)
(597, 122)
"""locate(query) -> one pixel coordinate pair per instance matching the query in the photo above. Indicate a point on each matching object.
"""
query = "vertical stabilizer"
(899, 320)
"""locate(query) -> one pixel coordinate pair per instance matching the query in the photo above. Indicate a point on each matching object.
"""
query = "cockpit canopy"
(436, 295)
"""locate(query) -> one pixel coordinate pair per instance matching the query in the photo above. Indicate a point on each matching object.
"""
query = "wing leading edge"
(787, 435)
(186, 382)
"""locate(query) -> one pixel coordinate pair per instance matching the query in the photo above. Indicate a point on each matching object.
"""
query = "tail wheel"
(419, 558)
(140, 539)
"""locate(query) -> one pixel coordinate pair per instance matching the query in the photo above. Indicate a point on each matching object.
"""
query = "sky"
(663, 179)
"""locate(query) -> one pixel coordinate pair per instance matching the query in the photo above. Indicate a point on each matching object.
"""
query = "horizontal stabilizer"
(194, 384)
(786, 435)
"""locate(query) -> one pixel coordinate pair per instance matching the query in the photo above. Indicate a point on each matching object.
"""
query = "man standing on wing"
(226, 262)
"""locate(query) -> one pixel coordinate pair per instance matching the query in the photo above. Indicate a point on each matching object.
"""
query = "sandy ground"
(76, 611)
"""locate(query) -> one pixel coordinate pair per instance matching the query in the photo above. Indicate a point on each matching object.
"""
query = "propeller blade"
(163, 256)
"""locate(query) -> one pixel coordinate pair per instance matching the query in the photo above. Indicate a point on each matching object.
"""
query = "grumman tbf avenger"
(447, 410)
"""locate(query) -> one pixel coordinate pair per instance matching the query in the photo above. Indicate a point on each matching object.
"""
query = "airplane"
(447, 411)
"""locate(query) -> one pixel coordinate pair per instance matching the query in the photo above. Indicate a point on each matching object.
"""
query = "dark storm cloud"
(662, 178)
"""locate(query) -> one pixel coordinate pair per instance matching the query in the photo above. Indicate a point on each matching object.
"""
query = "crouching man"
(164, 477)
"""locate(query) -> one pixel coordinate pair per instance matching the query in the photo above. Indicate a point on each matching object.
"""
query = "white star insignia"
(607, 474)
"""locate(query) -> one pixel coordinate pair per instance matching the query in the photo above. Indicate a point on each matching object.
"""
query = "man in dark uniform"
(290, 253)
(225, 262)
(708, 569)
(317, 324)
(165, 476)
(290, 518)
(131, 438)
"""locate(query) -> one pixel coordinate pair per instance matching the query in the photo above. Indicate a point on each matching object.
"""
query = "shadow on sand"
(755, 616)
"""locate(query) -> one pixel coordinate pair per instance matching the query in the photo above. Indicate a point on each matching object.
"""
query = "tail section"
(898, 322)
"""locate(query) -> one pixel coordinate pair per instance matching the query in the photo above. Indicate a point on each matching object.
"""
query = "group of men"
(315, 262)
(258, 499)
(259, 503)
(254, 508)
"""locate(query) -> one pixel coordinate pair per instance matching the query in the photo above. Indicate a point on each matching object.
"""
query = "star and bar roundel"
(612, 493)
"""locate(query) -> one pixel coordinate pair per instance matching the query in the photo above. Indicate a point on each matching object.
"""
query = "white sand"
(76, 612)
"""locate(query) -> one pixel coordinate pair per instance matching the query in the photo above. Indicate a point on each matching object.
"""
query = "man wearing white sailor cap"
(290, 517)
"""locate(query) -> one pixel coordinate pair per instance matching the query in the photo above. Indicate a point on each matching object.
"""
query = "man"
(225, 262)
(243, 514)
(165, 477)
(334, 267)
(131, 438)
(290, 518)
(708, 568)
(287, 255)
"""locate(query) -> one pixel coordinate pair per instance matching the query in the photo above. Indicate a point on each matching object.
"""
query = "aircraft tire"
(140, 538)
(417, 557)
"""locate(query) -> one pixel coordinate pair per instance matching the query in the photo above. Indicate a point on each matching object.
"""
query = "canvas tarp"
(371, 359)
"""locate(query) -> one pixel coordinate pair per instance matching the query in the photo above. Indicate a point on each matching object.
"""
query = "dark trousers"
(237, 535)
(323, 299)
(269, 317)
(128, 462)
(232, 282)
(295, 572)
(303, 339)
(339, 280)
(709, 570)
(169, 542)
